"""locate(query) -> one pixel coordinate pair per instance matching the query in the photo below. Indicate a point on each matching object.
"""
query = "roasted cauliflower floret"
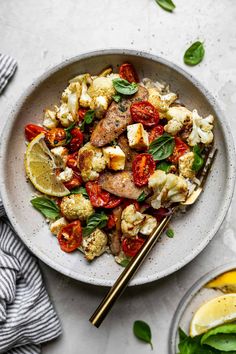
(90, 162)
(161, 102)
(168, 188)
(148, 225)
(56, 226)
(50, 119)
(201, 130)
(67, 112)
(60, 154)
(95, 244)
(76, 206)
(185, 165)
(131, 221)
(101, 91)
(66, 175)
(177, 118)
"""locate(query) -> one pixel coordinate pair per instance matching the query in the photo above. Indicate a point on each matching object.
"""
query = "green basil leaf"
(194, 54)
(221, 338)
(164, 166)
(167, 5)
(142, 197)
(189, 345)
(47, 207)
(142, 331)
(88, 119)
(170, 233)
(124, 262)
(97, 220)
(68, 133)
(80, 190)
(125, 87)
(117, 98)
(162, 147)
(198, 159)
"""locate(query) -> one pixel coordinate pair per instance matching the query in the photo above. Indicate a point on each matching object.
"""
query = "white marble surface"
(39, 34)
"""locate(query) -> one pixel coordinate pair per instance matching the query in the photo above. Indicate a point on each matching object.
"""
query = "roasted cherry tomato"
(179, 149)
(131, 246)
(113, 202)
(155, 133)
(128, 73)
(127, 202)
(160, 213)
(111, 223)
(97, 196)
(76, 181)
(32, 130)
(70, 236)
(72, 160)
(143, 167)
(77, 139)
(144, 112)
(81, 113)
(56, 137)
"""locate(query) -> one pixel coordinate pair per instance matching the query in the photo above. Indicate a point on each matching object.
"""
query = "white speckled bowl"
(193, 230)
(192, 300)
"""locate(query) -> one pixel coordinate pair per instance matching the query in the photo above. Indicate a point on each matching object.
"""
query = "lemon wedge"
(225, 282)
(213, 313)
(40, 168)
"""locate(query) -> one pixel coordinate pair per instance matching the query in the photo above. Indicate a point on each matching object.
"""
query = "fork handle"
(121, 283)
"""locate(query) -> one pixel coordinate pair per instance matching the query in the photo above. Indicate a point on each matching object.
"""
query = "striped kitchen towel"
(8, 66)
(27, 317)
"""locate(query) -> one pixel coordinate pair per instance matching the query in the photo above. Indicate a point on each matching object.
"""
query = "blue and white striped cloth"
(27, 317)
(8, 66)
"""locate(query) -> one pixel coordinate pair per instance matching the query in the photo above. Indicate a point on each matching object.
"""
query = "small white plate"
(191, 301)
(193, 230)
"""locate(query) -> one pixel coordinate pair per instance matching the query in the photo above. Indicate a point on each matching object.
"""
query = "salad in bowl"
(111, 159)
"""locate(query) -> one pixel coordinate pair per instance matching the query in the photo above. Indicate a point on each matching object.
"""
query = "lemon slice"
(213, 313)
(40, 168)
(225, 282)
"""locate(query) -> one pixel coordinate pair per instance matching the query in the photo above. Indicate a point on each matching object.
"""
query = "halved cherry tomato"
(97, 196)
(128, 73)
(113, 202)
(32, 130)
(76, 181)
(70, 236)
(81, 113)
(155, 133)
(77, 139)
(111, 221)
(144, 112)
(179, 149)
(143, 167)
(127, 202)
(56, 137)
(72, 160)
(131, 246)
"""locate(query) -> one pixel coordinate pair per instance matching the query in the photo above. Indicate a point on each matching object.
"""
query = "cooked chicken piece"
(120, 184)
(129, 153)
(116, 120)
(115, 235)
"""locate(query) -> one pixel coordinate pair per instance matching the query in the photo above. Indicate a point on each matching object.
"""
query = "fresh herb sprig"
(143, 332)
(47, 207)
(162, 147)
(80, 190)
(194, 54)
(88, 119)
(198, 159)
(96, 220)
(68, 133)
(124, 87)
(167, 5)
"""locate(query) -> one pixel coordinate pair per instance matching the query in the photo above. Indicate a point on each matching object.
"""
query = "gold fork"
(127, 274)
